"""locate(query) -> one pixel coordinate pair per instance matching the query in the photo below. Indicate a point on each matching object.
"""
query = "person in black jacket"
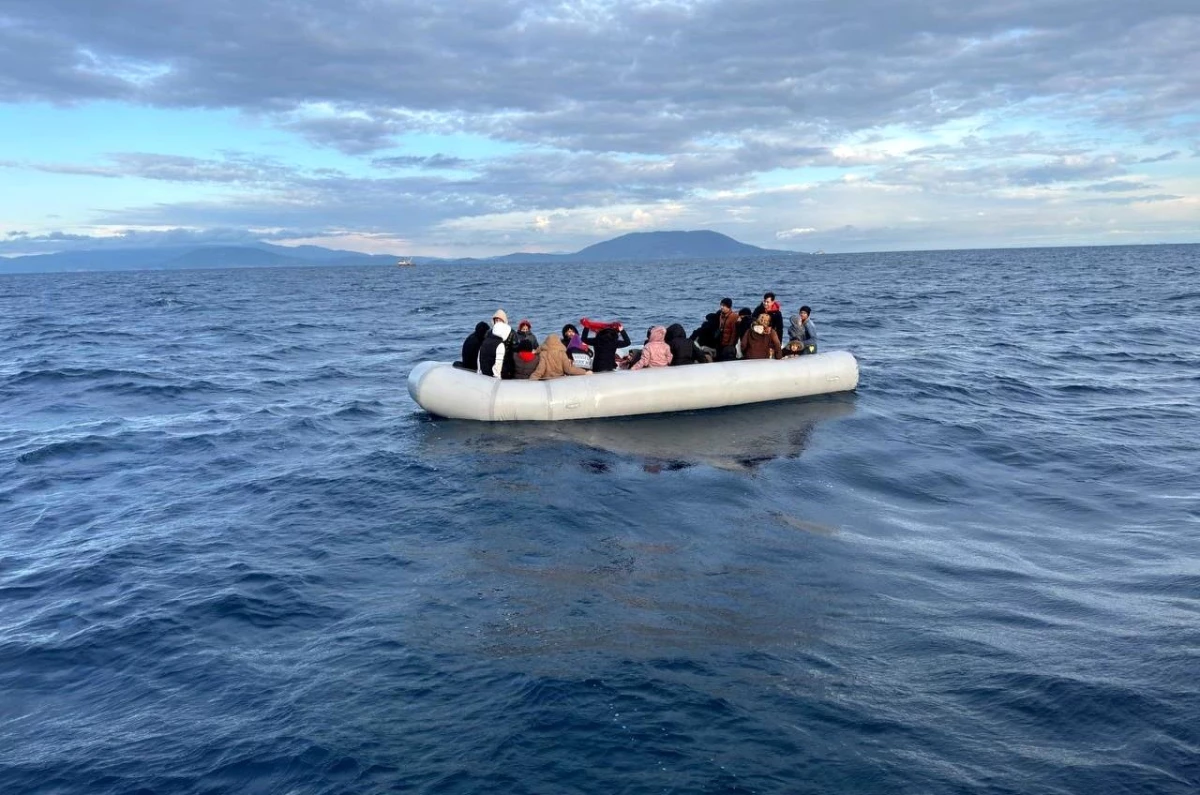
(496, 351)
(470, 348)
(683, 350)
(708, 333)
(771, 307)
(604, 346)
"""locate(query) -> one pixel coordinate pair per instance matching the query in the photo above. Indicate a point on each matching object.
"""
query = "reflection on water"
(735, 438)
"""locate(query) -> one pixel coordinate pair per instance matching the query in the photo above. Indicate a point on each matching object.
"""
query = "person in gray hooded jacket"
(801, 328)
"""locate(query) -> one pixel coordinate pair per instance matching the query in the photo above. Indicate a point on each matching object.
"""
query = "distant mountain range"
(258, 255)
(636, 246)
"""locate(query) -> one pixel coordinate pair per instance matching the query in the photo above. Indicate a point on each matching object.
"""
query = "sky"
(486, 127)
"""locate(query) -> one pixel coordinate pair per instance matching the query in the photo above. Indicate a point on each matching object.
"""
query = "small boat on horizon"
(405, 262)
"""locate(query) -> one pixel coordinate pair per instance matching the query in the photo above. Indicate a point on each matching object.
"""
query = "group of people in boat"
(499, 351)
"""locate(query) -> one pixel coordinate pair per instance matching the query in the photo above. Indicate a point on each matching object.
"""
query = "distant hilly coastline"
(636, 246)
(165, 258)
(639, 246)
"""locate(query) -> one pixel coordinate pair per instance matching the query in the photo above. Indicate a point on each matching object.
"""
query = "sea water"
(235, 557)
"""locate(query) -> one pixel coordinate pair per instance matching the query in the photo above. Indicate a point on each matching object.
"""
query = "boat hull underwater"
(447, 391)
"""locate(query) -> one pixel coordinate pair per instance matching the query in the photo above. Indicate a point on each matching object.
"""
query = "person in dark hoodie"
(708, 333)
(607, 339)
(683, 350)
(470, 348)
(496, 351)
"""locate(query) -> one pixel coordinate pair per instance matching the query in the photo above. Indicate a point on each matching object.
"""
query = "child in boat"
(656, 352)
(793, 348)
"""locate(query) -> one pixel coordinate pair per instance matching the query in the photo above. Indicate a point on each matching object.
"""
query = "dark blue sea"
(236, 558)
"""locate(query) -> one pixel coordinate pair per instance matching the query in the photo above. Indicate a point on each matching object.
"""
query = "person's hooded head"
(675, 331)
(657, 334)
(500, 316)
(762, 324)
(481, 330)
(501, 329)
(551, 344)
(524, 326)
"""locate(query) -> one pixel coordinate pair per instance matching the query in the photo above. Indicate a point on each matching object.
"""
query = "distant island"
(636, 246)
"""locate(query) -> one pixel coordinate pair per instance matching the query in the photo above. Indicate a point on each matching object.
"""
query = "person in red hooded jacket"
(771, 307)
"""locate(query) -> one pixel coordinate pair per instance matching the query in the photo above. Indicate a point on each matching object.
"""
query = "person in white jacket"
(496, 352)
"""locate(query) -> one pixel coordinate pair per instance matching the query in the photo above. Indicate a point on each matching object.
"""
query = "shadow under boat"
(737, 437)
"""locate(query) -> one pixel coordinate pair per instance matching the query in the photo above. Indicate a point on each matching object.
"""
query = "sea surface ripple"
(237, 558)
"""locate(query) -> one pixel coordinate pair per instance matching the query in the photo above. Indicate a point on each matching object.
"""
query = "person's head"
(768, 298)
(793, 345)
(804, 313)
(499, 316)
(525, 346)
(764, 320)
(744, 312)
(525, 326)
(481, 329)
(726, 306)
(569, 331)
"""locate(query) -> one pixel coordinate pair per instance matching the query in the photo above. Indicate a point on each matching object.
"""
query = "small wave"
(199, 386)
(91, 445)
(54, 376)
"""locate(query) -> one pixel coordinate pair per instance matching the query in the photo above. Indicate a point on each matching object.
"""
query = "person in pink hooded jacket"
(656, 352)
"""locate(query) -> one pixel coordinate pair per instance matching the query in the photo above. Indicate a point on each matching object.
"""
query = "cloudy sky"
(489, 126)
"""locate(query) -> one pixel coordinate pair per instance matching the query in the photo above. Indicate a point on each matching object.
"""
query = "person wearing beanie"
(801, 328)
(727, 333)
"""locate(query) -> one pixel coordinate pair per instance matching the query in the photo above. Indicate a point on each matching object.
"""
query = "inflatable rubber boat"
(447, 391)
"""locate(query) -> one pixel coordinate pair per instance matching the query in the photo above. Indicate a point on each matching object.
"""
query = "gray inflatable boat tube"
(448, 391)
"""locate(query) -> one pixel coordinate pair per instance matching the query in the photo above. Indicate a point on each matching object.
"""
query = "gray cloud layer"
(630, 77)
